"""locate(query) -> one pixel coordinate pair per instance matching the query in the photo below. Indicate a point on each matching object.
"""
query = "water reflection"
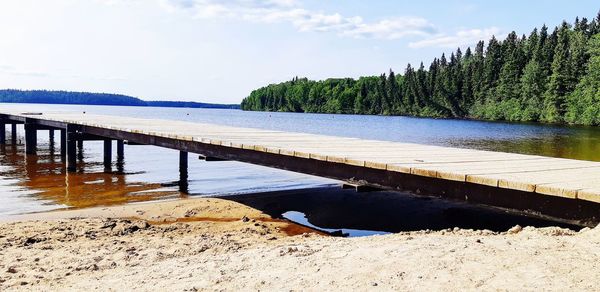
(45, 173)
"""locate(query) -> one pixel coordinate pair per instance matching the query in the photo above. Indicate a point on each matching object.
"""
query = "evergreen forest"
(550, 75)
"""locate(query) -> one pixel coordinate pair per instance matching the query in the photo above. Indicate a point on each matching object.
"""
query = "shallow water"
(301, 218)
(36, 183)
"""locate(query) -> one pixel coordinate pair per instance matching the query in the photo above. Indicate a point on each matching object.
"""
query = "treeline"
(548, 76)
(191, 104)
(88, 98)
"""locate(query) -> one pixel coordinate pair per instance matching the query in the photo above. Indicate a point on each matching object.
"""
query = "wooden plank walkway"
(566, 178)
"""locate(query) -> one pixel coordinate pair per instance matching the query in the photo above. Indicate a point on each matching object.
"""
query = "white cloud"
(225, 5)
(392, 28)
(284, 3)
(279, 11)
(199, 8)
(459, 39)
(304, 20)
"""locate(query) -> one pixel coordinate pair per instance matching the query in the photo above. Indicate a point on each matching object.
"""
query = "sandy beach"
(220, 245)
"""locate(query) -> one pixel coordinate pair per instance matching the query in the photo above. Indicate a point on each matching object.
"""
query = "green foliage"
(532, 87)
(583, 106)
(561, 79)
(549, 77)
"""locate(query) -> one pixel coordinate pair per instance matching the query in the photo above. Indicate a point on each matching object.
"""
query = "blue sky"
(218, 51)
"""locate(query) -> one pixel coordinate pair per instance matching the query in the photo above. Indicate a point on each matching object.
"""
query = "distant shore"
(91, 98)
(217, 244)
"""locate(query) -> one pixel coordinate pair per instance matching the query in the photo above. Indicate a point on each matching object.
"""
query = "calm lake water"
(36, 183)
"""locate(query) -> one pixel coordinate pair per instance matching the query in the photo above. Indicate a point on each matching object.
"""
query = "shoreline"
(218, 244)
(162, 212)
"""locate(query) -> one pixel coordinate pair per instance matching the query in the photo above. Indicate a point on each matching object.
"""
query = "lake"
(574, 142)
(37, 183)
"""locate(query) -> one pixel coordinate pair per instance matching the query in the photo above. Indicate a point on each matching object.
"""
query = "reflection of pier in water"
(89, 186)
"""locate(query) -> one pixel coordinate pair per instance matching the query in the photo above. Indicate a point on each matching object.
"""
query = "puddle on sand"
(300, 218)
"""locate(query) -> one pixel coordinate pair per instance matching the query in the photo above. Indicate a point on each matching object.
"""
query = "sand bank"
(215, 244)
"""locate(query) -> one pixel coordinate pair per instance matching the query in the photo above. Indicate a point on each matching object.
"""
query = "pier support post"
(13, 134)
(120, 156)
(2, 133)
(183, 172)
(120, 150)
(30, 139)
(51, 141)
(71, 149)
(107, 155)
(80, 149)
(63, 143)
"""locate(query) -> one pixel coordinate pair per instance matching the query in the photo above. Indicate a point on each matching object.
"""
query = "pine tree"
(561, 79)
(595, 28)
(383, 106)
(545, 51)
(433, 72)
(478, 75)
(440, 94)
(582, 26)
(360, 99)
(532, 90)
(393, 91)
(409, 90)
(467, 77)
(508, 84)
(421, 83)
(531, 45)
(578, 54)
(492, 64)
(454, 83)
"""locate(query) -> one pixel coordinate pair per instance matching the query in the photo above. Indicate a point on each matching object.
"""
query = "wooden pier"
(561, 188)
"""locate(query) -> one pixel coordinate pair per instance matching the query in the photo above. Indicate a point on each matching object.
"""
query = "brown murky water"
(45, 174)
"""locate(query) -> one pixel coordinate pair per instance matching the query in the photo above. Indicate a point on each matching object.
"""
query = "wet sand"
(217, 244)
